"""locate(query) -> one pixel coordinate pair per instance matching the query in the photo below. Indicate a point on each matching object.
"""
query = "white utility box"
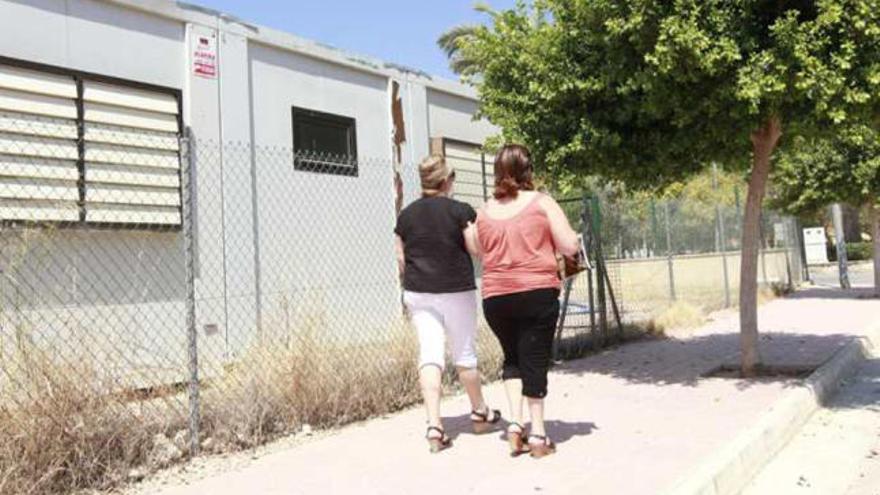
(815, 245)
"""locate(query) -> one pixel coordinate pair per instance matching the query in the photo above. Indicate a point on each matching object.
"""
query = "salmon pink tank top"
(518, 252)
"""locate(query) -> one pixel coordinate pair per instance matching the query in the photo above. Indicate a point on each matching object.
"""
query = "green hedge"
(855, 251)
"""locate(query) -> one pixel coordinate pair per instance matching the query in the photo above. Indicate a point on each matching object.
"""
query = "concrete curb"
(728, 471)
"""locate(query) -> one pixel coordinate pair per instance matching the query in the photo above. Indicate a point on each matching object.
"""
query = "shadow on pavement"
(684, 361)
(863, 389)
(560, 431)
(833, 293)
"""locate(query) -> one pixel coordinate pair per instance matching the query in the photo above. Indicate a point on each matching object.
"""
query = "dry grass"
(678, 318)
(60, 429)
(58, 432)
(276, 390)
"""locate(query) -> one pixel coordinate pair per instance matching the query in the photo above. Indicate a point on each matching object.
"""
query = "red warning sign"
(205, 57)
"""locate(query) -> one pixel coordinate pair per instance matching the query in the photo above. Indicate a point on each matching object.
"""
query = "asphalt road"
(860, 275)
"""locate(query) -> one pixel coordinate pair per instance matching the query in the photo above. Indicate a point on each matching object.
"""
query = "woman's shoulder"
(544, 199)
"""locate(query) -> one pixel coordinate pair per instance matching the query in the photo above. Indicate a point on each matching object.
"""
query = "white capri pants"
(438, 316)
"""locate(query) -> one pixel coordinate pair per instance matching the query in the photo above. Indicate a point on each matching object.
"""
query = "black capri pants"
(525, 323)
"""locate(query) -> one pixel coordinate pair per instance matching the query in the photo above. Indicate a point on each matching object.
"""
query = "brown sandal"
(436, 444)
(483, 424)
(545, 448)
(515, 440)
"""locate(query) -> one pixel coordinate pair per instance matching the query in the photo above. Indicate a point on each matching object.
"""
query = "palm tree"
(451, 42)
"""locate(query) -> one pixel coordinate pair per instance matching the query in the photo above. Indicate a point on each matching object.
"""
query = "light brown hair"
(513, 171)
(434, 172)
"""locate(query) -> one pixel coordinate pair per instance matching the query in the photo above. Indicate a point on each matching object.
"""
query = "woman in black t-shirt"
(440, 293)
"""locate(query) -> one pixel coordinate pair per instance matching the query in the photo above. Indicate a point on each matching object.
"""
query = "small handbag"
(569, 266)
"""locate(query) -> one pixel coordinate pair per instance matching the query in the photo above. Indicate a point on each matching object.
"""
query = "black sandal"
(515, 440)
(545, 448)
(436, 444)
(483, 424)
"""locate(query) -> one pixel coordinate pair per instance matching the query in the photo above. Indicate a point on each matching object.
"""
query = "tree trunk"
(764, 141)
(875, 238)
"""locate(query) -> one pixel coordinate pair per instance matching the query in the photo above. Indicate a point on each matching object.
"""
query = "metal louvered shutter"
(132, 166)
(38, 146)
(472, 182)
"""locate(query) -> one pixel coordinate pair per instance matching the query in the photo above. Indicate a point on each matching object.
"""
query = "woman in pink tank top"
(518, 235)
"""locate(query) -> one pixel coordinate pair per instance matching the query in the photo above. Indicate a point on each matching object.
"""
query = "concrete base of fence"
(731, 469)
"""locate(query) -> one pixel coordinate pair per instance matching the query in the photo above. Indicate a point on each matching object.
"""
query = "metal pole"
(189, 268)
(600, 268)
(840, 241)
(721, 236)
(789, 278)
(763, 250)
(485, 185)
(669, 253)
(586, 225)
(562, 314)
(802, 250)
(654, 230)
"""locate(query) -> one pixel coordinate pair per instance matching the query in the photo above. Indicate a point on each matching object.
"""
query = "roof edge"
(196, 14)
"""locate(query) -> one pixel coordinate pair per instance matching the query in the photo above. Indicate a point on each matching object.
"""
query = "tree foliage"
(451, 41)
(814, 173)
(649, 92)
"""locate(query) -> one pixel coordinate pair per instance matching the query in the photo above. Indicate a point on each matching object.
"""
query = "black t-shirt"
(437, 260)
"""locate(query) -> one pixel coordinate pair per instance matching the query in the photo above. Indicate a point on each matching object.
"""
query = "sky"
(399, 31)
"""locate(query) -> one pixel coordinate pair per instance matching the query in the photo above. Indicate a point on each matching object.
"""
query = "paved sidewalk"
(838, 450)
(629, 420)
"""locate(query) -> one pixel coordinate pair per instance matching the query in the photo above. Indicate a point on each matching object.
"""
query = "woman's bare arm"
(471, 240)
(398, 250)
(564, 237)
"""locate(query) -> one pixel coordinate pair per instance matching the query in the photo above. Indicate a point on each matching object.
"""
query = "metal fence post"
(802, 251)
(600, 268)
(669, 262)
(788, 277)
(763, 250)
(586, 225)
(840, 244)
(188, 163)
(483, 169)
(722, 236)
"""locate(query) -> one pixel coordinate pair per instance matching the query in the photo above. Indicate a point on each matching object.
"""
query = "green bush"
(855, 251)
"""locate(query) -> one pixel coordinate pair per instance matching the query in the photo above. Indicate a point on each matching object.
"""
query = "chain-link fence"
(153, 287)
(654, 253)
(161, 296)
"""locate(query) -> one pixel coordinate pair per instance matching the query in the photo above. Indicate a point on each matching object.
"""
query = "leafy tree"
(846, 167)
(649, 92)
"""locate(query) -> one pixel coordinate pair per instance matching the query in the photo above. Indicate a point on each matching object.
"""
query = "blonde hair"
(434, 173)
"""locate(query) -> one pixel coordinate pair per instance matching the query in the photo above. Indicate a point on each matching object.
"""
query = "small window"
(324, 143)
